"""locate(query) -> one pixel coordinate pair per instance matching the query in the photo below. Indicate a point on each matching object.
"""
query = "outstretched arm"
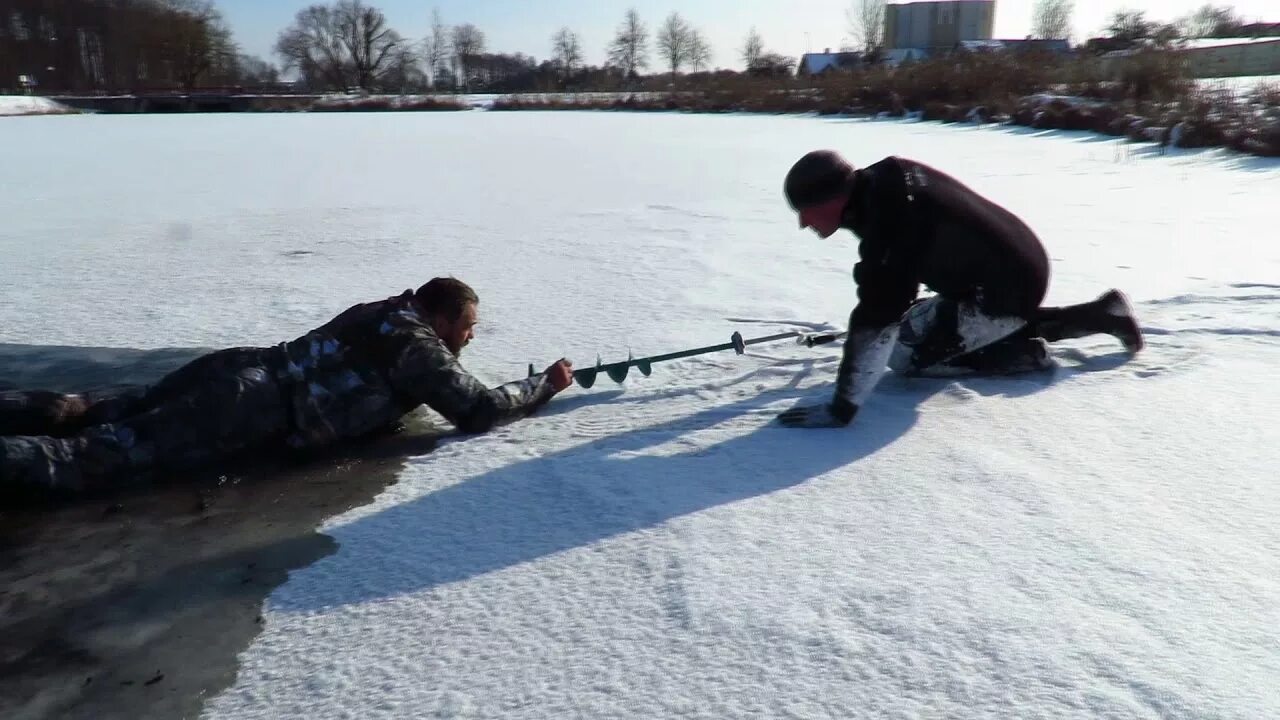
(866, 353)
(428, 372)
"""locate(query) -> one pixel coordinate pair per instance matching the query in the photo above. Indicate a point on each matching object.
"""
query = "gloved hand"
(560, 373)
(837, 413)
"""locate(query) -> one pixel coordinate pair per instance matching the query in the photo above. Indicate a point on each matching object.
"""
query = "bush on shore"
(1145, 98)
(384, 103)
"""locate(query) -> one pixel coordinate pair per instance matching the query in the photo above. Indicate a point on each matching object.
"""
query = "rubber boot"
(1111, 314)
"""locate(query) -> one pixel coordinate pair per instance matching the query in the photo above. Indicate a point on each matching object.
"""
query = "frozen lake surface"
(1099, 541)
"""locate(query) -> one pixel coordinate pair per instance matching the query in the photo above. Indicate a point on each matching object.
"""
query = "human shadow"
(619, 396)
(1078, 362)
(635, 479)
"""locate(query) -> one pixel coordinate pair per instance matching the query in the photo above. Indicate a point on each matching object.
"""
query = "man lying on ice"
(355, 376)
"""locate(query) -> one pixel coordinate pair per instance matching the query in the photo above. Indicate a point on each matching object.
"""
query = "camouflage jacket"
(363, 370)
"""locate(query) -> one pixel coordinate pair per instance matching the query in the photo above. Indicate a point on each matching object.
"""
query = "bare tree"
(199, 42)
(371, 45)
(116, 44)
(313, 46)
(699, 51)
(1212, 21)
(341, 45)
(629, 50)
(866, 23)
(253, 70)
(1051, 19)
(673, 42)
(468, 45)
(566, 51)
(435, 48)
(404, 71)
(1130, 25)
(773, 65)
(752, 49)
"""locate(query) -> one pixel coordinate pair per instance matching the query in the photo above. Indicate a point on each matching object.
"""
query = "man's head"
(818, 187)
(451, 308)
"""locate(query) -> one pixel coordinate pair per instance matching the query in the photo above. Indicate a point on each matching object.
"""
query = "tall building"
(934, 26)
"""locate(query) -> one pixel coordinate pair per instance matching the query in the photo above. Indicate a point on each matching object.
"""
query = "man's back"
(363, 370)
(336, 377)
(920, 225)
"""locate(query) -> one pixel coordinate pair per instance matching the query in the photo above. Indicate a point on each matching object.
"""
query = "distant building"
(1232, 57)
(827, 61)
(897, 56)
(1057, 47)
(938, 26)
(1260, 29)
(1213, 57)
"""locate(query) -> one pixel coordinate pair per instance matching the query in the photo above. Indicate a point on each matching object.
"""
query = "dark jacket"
(354, 376)
(918, 225)
(363, 370)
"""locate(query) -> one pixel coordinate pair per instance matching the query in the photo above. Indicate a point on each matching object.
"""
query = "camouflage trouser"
(217, 405)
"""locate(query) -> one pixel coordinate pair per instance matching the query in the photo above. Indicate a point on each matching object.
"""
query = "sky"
(791, 27)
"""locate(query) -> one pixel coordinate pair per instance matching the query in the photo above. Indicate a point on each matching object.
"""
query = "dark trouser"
(217, 405)
(946, 337)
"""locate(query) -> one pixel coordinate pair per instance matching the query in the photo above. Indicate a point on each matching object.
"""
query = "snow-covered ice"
(31, 105)
(1098, 542)
(1241, 85)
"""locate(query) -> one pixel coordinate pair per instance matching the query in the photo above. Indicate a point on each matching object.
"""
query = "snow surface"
(1096, 542)
(1240, 84)
(31, 105)
(1202, 43)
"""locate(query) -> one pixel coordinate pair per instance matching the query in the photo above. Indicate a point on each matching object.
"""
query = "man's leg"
(1110, 314)
(43, 412)
(228, 413)
(942, 337)
(40, 412)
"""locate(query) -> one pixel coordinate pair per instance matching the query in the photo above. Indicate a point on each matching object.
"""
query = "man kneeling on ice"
(989, 271)
(355, 376)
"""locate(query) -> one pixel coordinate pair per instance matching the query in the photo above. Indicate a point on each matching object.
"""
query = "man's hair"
(817, 177)
(446, 295)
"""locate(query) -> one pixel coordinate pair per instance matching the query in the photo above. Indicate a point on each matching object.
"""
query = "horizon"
(512, 26)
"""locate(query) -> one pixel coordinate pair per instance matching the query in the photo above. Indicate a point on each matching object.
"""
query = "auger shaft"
(617, 371)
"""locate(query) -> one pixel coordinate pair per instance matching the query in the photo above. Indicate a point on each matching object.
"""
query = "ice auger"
(617, 371)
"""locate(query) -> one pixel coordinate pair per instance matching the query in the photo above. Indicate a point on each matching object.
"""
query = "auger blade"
(618, 371)
(586, 378)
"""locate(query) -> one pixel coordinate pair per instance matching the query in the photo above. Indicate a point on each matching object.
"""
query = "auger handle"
(823, 338)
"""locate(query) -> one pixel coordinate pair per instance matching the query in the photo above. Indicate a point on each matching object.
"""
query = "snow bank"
(28, 105)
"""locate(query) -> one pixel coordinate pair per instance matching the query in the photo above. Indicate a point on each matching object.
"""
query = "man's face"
(457, 333)
(824, 217)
